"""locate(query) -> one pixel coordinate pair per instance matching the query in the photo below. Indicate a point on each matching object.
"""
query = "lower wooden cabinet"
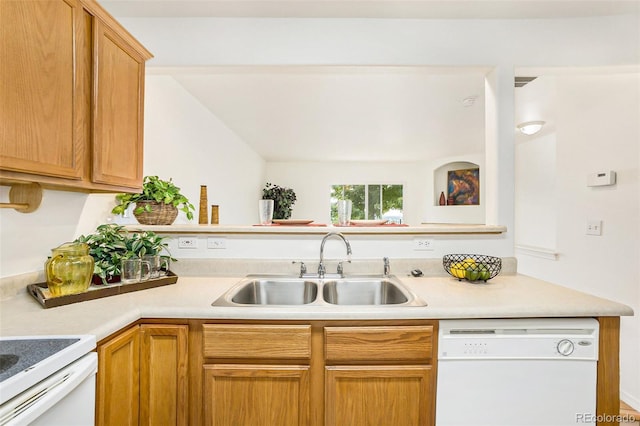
(317, 373)
(118, 380)
(376, 395)
(143, 377)
(263, 373)
(237, 395)
(163, 375)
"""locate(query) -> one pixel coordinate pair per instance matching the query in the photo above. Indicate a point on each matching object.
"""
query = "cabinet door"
(249, 395)
(117, 110)
(163, 375)
(42, 89)
(379, 395)
(118, 380)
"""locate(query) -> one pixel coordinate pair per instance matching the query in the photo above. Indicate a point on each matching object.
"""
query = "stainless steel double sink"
(363, 290)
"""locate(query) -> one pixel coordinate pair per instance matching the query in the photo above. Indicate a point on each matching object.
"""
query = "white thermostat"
(602, 178)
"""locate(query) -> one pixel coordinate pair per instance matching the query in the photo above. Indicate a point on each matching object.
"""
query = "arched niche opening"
(444, 181)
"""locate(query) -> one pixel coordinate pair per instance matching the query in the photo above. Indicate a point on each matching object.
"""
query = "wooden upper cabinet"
(118, 93)
(71, 96)
(38, 102)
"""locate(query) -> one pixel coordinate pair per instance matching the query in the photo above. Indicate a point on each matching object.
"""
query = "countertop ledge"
(423, 229)
(506, 296)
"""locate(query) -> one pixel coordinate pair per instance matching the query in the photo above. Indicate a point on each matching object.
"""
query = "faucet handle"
(386, 268)
(303, 267)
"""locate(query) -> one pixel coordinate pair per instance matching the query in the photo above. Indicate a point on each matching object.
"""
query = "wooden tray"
(41, 293)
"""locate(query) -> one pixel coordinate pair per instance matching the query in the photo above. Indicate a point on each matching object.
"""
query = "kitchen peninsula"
(187, 306)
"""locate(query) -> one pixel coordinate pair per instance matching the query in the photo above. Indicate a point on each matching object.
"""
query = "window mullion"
(366, 201)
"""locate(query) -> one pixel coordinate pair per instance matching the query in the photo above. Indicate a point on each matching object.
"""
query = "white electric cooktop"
(27, 360)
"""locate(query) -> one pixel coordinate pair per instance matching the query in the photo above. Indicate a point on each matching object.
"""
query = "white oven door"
(67, 397)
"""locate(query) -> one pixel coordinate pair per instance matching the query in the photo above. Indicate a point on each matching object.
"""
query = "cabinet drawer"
(393, 343)
(257, 341)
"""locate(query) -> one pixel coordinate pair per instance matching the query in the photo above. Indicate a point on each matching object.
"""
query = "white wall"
(312, 182)
(185, 141)
(597, 128)
(536, 198)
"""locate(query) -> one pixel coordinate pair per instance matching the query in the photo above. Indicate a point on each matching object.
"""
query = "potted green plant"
(283, 200)
(146, 243)
(112, 243)
(108, 246)
(157, 204)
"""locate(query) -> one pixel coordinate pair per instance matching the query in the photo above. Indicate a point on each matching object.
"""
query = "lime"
(472, 273)
(483, 272)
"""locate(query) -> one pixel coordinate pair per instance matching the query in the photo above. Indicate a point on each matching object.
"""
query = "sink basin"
(270, 291)
(366, 291)
(293, 291)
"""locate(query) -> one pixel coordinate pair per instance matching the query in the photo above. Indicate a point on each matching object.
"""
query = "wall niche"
(468, 206)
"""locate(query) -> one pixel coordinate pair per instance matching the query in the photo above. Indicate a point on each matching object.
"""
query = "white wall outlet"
(216, 243)
(188, 242)
(423, 244)
(594, 227)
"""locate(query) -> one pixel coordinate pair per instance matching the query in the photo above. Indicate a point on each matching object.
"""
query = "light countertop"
(505, 296)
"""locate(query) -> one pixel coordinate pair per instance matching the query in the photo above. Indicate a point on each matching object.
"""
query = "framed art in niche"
(463, 186)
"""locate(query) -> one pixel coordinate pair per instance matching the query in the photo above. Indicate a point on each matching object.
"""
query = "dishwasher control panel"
(569, 338)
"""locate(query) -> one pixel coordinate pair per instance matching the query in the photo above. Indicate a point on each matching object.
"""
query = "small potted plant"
(157, 204)
(108, 246)
(146, 243)
(111, 244)
(283, 200)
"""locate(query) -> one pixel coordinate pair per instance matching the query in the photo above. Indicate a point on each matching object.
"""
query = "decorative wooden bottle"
(442, 200)
(203, 218)
(214, 214)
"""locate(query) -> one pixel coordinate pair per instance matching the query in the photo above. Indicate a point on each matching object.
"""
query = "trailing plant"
(156, 190)
(112, 243)
(283, 200)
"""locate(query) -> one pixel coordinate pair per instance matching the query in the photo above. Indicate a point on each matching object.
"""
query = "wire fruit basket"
(472, 267)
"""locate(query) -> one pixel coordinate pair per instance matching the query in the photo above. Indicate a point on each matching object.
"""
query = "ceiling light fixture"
(530, 127)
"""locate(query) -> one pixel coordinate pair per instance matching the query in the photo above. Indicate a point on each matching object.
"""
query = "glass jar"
(69, 270)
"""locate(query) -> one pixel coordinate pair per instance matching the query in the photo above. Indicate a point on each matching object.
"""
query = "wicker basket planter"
(160, 214)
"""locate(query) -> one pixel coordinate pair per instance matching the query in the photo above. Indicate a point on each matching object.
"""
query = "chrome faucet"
(303, 268)
(386, 269)
(321, 268)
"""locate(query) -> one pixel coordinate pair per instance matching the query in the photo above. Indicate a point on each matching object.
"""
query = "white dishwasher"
(517, 372)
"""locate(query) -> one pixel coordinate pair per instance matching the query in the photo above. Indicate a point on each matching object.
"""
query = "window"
(369, 201)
